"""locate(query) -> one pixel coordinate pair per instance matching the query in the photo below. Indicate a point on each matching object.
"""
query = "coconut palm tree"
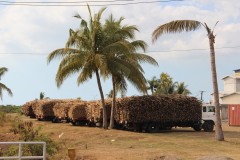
(82, 54)
(3, 70)
(181, 88)
(123, 62)
(166, 84)
(191, 25)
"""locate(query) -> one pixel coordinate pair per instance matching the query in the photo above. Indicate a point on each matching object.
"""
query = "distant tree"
(191, 25)
(166, 84)
(110, 94)
(181, 88)
(42, 95)
(153, 84)
(3, 70)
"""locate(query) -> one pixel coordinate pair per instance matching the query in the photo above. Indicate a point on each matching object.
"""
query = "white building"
(231, 89)
(230, 93)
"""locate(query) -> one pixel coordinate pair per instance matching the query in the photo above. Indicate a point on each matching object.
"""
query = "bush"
(2, 118)
(28, 133)
(10, 109)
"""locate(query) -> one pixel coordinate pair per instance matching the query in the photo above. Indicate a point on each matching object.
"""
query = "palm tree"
(153, 84)
(181, 88)
(123, 62)
(191, 25)
(42, 95)
(3, 70)
(166, 84)
(83, 54)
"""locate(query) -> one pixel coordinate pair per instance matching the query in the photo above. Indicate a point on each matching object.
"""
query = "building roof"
(237, 77)
(237, 71)
(226, 95)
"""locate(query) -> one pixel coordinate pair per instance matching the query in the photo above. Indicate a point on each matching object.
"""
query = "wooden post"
(71, 153)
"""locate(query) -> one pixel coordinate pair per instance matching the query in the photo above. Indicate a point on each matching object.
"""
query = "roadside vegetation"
(25, 131)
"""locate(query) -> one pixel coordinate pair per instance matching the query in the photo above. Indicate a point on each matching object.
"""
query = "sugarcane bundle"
(94, 108)
(27, 108)
(161, 108)
(61, 109)
(80, 111)
(44, 108)
(108, 104)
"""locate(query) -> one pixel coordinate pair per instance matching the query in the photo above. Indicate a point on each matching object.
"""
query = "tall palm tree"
(83, 54)
(123, 62)
(3, 70)
(181, 88)
(191, 25)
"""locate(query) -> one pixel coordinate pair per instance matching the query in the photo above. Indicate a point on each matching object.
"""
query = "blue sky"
(39, 30)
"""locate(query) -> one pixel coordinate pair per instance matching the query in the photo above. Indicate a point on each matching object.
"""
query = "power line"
(197, 49)
(68, 1)
(185, 50)
(69, 4)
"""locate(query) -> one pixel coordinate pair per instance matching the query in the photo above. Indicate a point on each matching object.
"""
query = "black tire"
(208, 127)
(73, 123)
(197, 128)
(153, 128)
(137, 127)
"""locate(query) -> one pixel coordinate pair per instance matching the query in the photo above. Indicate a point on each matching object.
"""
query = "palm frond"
(143, 58)
(60, 53)
(3, 70)
(4, 87)
(175, 26)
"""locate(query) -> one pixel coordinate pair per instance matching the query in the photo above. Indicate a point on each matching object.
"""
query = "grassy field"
(96, 143)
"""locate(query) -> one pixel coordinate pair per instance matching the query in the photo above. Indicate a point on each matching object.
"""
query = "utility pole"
(202, 95)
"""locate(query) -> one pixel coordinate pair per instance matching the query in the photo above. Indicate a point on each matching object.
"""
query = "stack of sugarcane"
(27, 108)
(79, 111)
(162, 108)
(44, 108)
(90, 110)
(61, 109)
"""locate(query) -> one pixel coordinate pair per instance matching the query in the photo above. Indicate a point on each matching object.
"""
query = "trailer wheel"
(153, 128)
(208, 127)
(197, 127)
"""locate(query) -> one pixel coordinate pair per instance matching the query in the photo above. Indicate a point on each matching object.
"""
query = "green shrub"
(10, 108)
(28, 133)
(2, 118)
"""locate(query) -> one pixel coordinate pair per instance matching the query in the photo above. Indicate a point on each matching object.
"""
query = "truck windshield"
(211, 109)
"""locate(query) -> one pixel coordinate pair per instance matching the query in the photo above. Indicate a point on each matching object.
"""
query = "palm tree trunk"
(103, 101)
(218, 124)
(113, 104)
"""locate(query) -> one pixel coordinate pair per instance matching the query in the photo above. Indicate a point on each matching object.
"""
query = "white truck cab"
(208, 112)
(208, 117)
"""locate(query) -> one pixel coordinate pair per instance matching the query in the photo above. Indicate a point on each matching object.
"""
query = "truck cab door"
(208, 113)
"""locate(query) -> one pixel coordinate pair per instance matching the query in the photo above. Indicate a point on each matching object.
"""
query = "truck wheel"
(153, 128)
(197, 128)
(208, 127)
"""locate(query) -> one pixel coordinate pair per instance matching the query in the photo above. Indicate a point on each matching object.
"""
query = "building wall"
(238, 85)
(232, 99)
(229, 85)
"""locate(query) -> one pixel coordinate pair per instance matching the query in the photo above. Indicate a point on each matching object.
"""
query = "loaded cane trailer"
(154, 113)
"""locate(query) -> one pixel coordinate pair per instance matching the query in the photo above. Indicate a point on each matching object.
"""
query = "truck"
(162, 112)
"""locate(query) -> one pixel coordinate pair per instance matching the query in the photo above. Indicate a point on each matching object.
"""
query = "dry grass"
(96, 143)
